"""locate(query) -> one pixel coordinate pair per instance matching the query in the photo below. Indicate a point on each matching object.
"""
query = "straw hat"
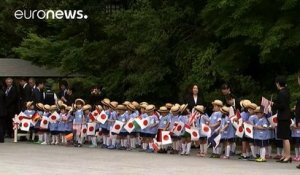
(199, 108)
(68, 108)
(163, 109)
(217, 102)
(53, 107)
(99, 107)
(63, 106)
(258, 110)
(126, 103)
(150, 108)
(169, 105)
(183, 107)
(175, 109)
(106, 101)
(113, 104)
(252, 106)
(245, 103)
(131, 107)
(143, 105)
(121, 107)
(47, 107)
(86, 107)
(60, 102)
(40, 106)
(29, 103)
(224, 110)
(79, 100)
(135, 104)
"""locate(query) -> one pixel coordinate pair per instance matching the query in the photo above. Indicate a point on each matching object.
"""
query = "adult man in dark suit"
(11, 104)
(37, 93)
(25, 93)
(2, 113)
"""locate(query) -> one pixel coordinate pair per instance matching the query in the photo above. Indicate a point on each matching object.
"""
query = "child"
(112, 117)
(164, 123)
(214, 123)
(78, 122)
(30, 112)
(123, 117)
(225, 129)
(61, 123)
(176, 139)
(261, 134)
(142, 134)
(45, 131)
(151, 130)
(40, 111)
(252, 121)
(201, 120)
(53, 127)
(105, 127)
(296, 139)
(245, 117)
(132, 114)
(87, 112)
(186, 142)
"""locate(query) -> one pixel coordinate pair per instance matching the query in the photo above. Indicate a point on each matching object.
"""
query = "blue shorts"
(261, 143)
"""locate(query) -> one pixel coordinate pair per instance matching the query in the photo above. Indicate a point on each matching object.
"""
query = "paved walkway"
(25, 158)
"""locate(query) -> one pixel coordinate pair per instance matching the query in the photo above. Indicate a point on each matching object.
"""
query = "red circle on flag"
(25, 125)
(21, 118)
(53, 117)
(117, 127)
(91, 128)
(130, 125)
(103, 116)
(179, 128)
(84, 130)
(166, 137)
(195, 134)
(95, 113)
(240, 129)
(45, 122)
(275, 120)
(248, 130)
(145, 122)
(205, 129)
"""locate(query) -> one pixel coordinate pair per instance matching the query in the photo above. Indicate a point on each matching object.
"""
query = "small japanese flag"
(177, 129)
(102, 117)
(129, 126)
(205, 130)
(20, 117)
(194, 134)
(239, 131)
(155, 145)
(143, 123)
(83, 131)
(94, 115)
(91, 129)
(25, 125)
(166, 138)
(273, 120)
(117, 127)
(54, 117)
(44, 123)
(248, 130)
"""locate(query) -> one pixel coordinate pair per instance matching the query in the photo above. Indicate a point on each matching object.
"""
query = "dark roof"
(12, 67)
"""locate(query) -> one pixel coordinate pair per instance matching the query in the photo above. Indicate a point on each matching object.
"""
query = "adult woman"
(282, 106)
(297, 111)
(195, 98)
(2, 113)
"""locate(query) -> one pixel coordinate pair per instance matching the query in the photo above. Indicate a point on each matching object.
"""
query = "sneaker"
(38, 142)
(79, 145)
(224, 157)
(93, 146)
(104, 146)
(260, 160)
(295, 158)
(150, 151)
(44, 143)
(111, 147)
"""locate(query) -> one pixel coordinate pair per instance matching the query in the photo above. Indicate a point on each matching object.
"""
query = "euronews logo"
(50, 14)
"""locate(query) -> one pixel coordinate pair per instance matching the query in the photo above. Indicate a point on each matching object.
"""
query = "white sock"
(278, 151)
(56, 139)
(269, 150)
(201, 148)
(219, 150)
(183, 148)
(233, 147)
(40, 137)
(46, 138)
(53, 138)
(296, 152)
(188, 147)
(178, 145)
(33, 136)
(144, 146)
(227, 151)
(263, 152)
(125, 142)
(214, 150)
(104, 140)
(205, 146)
(132, 141)
(113, 141)
(108, 141)
(253, 150)
(150, 146)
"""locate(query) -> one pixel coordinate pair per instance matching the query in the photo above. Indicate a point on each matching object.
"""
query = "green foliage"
(154, 50)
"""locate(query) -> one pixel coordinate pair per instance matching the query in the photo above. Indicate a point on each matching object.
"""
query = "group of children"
(177, 119)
